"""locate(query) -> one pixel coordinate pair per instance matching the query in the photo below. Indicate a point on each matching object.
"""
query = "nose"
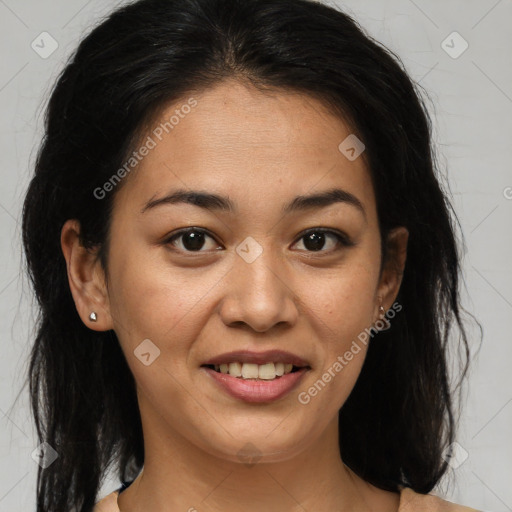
(260, 295)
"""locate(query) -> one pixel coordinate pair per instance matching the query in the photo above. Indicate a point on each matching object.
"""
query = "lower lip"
(257, 390)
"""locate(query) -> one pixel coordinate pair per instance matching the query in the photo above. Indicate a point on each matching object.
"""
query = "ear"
(86, 278)
(391, 277)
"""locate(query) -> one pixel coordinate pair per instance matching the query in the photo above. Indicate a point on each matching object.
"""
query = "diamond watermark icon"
(44, 455)
(351, 147)
(249, 454)
(454, 45)
(455, 455)
(44, 45)
(146, 352)
(249, 249)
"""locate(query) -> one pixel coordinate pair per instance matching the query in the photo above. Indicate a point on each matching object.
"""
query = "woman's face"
(246, 278)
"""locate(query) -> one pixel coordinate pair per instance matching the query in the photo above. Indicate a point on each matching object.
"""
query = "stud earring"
(93, 317)
(382, 316)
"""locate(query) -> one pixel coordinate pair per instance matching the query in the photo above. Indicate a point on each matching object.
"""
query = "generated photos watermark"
(150, 143)
(304, 397)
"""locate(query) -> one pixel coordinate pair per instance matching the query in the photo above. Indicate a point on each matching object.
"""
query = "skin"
(261, 150)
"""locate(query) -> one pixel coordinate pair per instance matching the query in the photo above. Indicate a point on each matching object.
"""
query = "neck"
(177, 475)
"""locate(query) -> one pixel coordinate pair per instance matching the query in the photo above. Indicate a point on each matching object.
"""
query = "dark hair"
(400, 415)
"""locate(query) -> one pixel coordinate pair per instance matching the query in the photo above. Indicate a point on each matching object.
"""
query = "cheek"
(341, 308)
(343, 300)
(151, 298)
(156, 323)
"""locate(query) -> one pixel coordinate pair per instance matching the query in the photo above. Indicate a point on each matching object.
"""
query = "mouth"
(249, 388)
(256, 376)
(253, 371)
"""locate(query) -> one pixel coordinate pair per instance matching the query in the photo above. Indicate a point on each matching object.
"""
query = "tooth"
(235, 369)
(267, 371)
(250, 371)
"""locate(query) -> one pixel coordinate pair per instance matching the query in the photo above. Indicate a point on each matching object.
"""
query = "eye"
(315, 239)
(193, 239)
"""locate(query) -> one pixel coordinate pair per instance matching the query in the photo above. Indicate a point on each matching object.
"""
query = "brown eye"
(316, 239)
(192, 240)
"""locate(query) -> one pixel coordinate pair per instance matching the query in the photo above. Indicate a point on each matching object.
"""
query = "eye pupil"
(193, 240)
(315, 241)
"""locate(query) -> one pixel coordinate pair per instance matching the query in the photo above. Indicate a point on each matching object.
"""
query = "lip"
(252, 390)
(248, 356)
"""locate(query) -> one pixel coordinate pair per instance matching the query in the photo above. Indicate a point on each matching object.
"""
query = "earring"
(93, 317)
(382, 316)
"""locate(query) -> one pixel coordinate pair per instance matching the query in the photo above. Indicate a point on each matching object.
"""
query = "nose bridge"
(260, 292)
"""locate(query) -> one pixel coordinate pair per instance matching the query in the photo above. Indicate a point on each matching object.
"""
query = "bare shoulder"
(411, 501)
(107, 504)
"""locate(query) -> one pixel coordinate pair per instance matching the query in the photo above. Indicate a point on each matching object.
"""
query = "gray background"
(471, 106)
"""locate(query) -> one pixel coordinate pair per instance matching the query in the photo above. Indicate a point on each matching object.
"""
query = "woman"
(246, 268)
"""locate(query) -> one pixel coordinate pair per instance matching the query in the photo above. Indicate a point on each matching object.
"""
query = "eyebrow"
(215, 202)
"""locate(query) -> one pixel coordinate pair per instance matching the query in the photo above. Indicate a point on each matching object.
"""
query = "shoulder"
(108, 503)
(411, 501)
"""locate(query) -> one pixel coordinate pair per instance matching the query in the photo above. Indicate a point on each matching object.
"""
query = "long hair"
(400, 418)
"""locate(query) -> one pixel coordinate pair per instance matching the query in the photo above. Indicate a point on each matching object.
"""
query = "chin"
(255, 446)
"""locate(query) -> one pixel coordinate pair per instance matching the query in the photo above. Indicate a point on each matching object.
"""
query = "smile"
(267, 371)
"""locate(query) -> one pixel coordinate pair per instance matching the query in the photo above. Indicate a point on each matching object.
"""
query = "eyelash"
(342, 239)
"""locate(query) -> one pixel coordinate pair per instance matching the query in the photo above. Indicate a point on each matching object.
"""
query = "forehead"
(238, 139)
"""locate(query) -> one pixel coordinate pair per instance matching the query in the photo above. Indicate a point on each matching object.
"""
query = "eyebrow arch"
(215, 202)
(323, 199)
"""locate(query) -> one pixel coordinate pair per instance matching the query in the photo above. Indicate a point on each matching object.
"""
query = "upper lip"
(248, 356)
